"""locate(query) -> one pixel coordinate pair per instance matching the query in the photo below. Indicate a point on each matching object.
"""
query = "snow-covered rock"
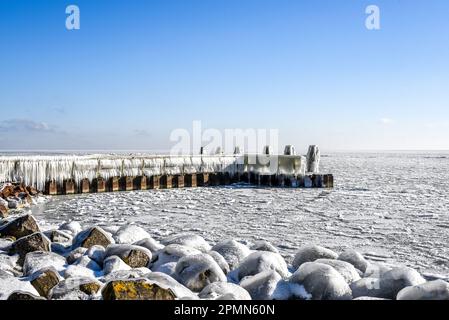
(197, 271)
(76, 288)
(75, 271)
(322, 281)
(73, 227)
(188, 240)
(347, 270)
(167, 268)
(126, 274)
(311, 253)
(39, 259)
(264, 245)
(86, 262)
(113, 264)
(233, 252)
(260, 261)
(432, 290)
(367, 287)
(91, 237)
(75, 254)
(171, 253)
(393, 281)
(169, 282)
(262, 286)
(355, 258)
(129, 234)
(219, 290)
(220, 261)
(97, 254)
(9, 284)
(150, 244)
(134, 256)
(376, 270)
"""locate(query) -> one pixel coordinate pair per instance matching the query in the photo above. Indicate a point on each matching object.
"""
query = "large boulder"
(233, 252)
(75, 254)
(220, 261)
(136, 289)
(264, 245)
(37, 260)
(224, 290)
(88, 263)
(347, 270)
(22, 295)
(188, 240)
(397, 279)
(20, 227)
(9, 284)
(260, 261)
(171, 253)
(150, 244)
(262, 286)
(91, 237)
(322, 281)
(367, 287)
(134, 256)
(129, 234)
(34, 242)
(166, 281)
(432, 290)
(72, 227)
(113, 264)
(44, 280)
(59, 236)
(197, 271)
(97, 254)
(355, 258)
(311, 253)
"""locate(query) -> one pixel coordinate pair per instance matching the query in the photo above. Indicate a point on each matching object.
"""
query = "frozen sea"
(392, 207)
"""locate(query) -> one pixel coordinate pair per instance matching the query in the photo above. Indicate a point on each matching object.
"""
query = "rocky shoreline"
(74, 262)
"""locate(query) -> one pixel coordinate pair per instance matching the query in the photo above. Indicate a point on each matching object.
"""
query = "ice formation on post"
(313, 159)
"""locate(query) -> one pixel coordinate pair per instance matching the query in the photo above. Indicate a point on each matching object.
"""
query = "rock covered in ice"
(8, 263)
(188, 240)
(73, 227)
(150, 244)
(75, 254)
(376, 270)
(76, 288)
(126, 274)
(232, 251)
(97, 254)
(20, 227)
(59, 236)
(167, 281)
(24, 296)
(220, 261)
(311, 253)
(322, 281)
(432, 290)
(224, 290)
(40, 259)
(113, 264)
(393, 281)
(171, 253)
(264, 246)
(347, 270)
(34, 242)
(130, 233)
(91, 237)
(75, 271)
(167, 268)
(9, 284)
(260, 261)
(136, 289)
(134, 256)
(44, 280)
(263, 285)
(197, 271)
(366, 287)
(355, 258)
(86, 262)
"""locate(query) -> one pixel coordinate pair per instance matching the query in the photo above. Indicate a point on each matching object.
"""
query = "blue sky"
(138, 69)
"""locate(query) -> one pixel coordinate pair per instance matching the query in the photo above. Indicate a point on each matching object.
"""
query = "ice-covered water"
(392, 207)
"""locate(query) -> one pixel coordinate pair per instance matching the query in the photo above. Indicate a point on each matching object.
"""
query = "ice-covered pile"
(89, 262)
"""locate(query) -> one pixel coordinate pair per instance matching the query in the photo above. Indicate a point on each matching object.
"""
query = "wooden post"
(155, 182)
(100, 185)
(328, 181)
(126, 183)
(85, 186)
(179, 181)
(308, 182)
(140, 183)
(114, 184)
(167, 181)
(69, 187)
(203, 179)
(214, 179)
(52, 188)
(190, 180)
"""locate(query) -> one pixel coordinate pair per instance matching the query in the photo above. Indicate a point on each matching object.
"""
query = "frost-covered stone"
(167, 281)
(136, 289)
(134, 256)
(376, 270)
(113, 264)
(260, 261)
(347, 270)
(129, 234)
(126, 274)
(22, 295)
(188, 240)
(219, 290)
(263, 245)
(197, 271)
(150, 244)
(37, 260)
(9, 284)
(73, 227)
(59, 236)
(8, 263)
(20, 227)
(232, 251)
(311, 253)
(97, 254)
(322, 281)
(167, 268)
(220, 261)
(75, 271)
(76, 254)
(44, 280)
(86, 262)
(70, 288)
(91, 237)
(432, 290)
(355, 258)
(171, 253)
(366, 287)
(263, 285)
(395, 280)
(34, 242)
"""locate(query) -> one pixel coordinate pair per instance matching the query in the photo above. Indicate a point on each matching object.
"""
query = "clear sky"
(138, 69)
